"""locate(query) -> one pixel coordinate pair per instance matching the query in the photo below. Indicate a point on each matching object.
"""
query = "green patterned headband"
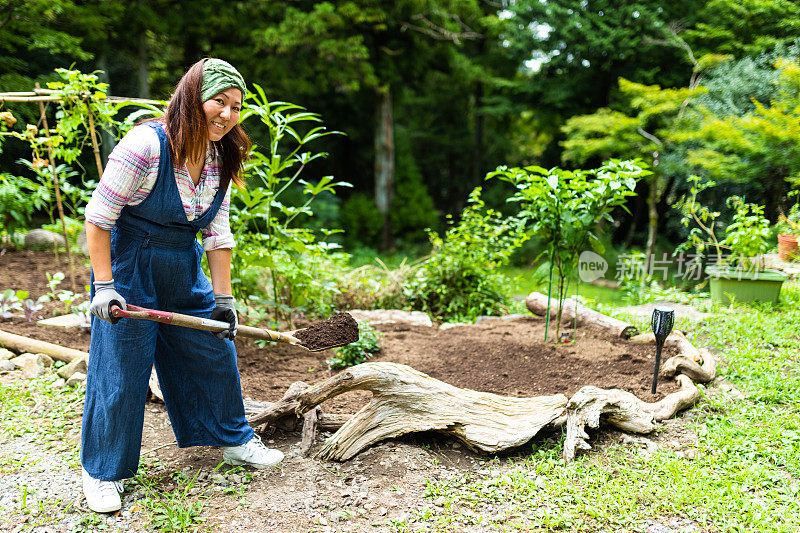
(219, 75)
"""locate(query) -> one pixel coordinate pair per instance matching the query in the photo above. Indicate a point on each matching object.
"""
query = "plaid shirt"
(131, 173)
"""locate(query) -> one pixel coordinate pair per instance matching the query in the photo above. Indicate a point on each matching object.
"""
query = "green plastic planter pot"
(730, 283)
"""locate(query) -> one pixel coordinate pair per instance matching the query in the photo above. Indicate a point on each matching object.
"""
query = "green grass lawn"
(523, 281)
(745, 478)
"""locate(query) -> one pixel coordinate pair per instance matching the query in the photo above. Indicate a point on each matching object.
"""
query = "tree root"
(621, 409)
(682, 364)
(405, 400)
(537, 304)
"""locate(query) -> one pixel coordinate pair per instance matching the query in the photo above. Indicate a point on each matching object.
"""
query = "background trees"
(433, 94)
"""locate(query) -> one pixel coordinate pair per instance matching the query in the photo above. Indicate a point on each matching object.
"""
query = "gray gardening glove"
(105, 295)
(225, 311)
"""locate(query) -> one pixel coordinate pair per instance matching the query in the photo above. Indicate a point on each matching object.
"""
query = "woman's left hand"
(225, 311)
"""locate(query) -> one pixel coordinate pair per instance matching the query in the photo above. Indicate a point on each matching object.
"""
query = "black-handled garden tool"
(662, 322)
(339, 330)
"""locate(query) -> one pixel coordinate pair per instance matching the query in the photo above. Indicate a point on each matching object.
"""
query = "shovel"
(307, 340)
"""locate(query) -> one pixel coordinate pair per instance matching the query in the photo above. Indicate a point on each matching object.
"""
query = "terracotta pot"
(787, 247)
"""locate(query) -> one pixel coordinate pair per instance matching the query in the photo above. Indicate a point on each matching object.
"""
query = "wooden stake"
(4, 98)
(20, 344)
(310, 423)
(58, 194)
(95, 146)
(48, 95)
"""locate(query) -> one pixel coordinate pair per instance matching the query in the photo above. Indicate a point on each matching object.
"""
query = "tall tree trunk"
(107, 140)
(775, 191)
(652, 217)
(192, 52)
(635, 217)
(477, 135)
(143, 71)
(384, 160)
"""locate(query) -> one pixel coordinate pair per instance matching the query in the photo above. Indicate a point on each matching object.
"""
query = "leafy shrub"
(19, 198)
(459, 281)
(67, 139)
(277, 261)
(306, 283)
(745, 237)
(412, 212)
(565, 209)
(358, 352)
(374, 286)
(362, 221)
(74, 228)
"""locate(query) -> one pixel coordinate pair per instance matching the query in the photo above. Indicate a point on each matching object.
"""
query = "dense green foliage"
(745, 237)
(19, 198)
(471, 85)
(270, 247)
(460, 280)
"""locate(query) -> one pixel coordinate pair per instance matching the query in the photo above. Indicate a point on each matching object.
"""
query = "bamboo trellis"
(40, 96)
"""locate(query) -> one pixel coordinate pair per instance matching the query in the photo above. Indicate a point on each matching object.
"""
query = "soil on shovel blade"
(338, 330)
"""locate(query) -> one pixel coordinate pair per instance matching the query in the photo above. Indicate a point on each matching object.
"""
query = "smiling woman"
(210, 92)
(222, 112)
(167, 180)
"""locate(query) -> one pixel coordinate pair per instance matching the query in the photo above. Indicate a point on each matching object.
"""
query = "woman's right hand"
(105, 295)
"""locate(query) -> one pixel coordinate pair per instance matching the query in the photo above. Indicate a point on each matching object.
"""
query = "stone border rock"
(37, 358)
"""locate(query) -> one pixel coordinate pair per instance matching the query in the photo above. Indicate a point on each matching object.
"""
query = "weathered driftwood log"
(309, 430)
(288, 405)
(20, 344)
(283, 414)
(699, 372)
(621, 409)
(537, 304)
(676, 339)
(699, 365)
(405, 401)
(291, 421)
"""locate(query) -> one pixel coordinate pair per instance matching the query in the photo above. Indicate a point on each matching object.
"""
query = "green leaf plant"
(565, 208)
(264, 221)
(460, 279)
(79, 96)
(745, 237)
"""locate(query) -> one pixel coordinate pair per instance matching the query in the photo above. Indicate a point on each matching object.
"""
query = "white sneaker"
(101, 496)
(252, 453)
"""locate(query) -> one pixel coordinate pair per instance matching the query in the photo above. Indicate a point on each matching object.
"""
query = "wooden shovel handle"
(195, 322)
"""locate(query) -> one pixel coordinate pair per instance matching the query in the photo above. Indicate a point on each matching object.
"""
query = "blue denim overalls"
(155, 260)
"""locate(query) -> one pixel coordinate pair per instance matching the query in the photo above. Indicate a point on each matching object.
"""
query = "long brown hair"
(187, 130)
